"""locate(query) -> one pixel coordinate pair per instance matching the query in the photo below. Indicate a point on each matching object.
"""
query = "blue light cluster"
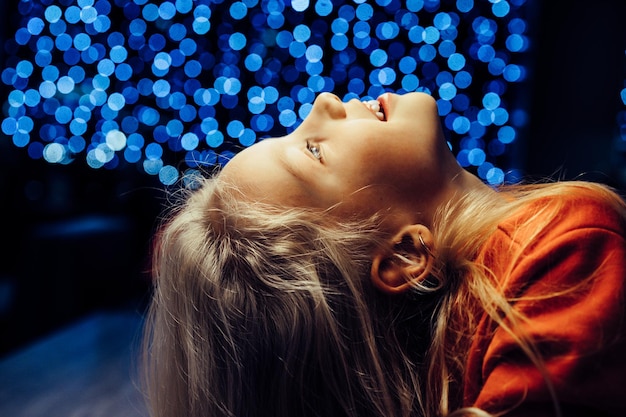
(173, 86)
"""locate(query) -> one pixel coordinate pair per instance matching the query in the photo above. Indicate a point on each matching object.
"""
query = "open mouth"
(375, 107)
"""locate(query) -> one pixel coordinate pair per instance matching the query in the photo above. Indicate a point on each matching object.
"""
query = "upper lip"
(384, 104)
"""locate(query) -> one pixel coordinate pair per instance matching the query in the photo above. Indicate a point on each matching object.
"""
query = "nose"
(329, 105)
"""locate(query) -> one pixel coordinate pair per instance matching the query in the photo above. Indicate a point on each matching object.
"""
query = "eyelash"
(315, 150)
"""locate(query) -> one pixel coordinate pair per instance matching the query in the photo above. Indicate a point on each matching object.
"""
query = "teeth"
(375, 107)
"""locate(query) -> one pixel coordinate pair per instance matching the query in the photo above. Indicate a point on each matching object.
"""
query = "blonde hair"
(269, 311)
(263, 311)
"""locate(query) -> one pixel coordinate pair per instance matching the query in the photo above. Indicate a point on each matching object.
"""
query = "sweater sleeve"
(579, 332)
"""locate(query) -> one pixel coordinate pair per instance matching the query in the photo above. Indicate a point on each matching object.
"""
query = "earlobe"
(406, 262)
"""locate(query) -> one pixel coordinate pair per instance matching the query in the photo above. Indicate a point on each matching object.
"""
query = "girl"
(353, 268)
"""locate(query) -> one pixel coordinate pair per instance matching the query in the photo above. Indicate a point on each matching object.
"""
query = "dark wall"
(75, 240)
(579, 71)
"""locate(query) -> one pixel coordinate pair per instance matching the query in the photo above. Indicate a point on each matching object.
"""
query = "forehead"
(261, 173)
(251, 163)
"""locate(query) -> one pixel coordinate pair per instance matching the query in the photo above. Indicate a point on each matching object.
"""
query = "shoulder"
(566, 208)
(561, 260)
(561, 238)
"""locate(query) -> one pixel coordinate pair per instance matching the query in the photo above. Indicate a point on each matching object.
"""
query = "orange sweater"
(580, 333)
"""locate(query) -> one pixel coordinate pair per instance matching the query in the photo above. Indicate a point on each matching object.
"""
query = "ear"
(407, 260)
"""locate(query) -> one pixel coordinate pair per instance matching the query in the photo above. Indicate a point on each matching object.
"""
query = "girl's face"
(346, 158)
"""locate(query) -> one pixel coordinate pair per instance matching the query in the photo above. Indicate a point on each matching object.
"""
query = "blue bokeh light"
(176, 85)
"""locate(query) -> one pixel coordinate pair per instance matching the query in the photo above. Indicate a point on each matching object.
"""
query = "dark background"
(75, 239)
(579, 70)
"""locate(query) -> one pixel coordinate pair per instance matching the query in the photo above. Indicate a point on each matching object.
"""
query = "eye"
(315, 150)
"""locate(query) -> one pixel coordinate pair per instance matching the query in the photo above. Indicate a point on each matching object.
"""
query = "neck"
(460, 184)
(466, 182)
